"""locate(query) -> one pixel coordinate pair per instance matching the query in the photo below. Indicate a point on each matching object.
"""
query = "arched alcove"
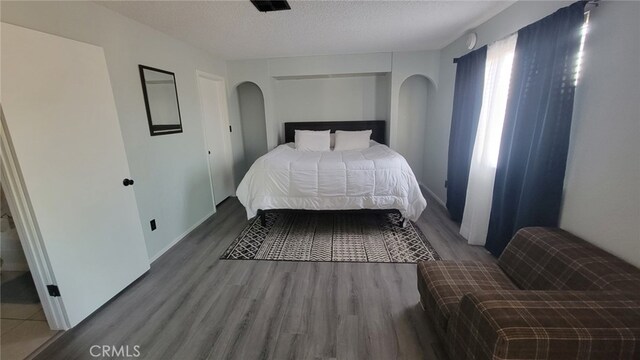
(411, 128)
(252, 118)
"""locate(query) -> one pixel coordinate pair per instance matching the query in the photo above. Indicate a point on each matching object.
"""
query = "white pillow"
(309, 140)
(352, 140)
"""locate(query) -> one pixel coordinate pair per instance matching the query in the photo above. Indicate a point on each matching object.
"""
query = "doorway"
(215, 123)
(24, 324)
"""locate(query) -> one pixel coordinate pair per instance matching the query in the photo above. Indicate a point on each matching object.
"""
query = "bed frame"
(262, 214)
(377, 127)
(378, 134)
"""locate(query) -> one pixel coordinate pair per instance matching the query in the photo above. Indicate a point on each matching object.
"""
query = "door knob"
(127, 182)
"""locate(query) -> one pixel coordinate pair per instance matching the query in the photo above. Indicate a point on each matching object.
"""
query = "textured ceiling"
(236, 30)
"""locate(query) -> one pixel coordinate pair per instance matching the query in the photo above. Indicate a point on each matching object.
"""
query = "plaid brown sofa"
(551, 295)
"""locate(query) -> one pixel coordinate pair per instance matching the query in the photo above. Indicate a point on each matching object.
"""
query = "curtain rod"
(588, 6)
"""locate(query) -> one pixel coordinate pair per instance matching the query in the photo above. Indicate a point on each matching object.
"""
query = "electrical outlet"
(153, 224)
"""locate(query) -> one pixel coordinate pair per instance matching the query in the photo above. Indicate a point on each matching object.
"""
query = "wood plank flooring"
(191, 305)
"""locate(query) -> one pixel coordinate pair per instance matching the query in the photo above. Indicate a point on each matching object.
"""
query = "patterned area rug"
(350, 237)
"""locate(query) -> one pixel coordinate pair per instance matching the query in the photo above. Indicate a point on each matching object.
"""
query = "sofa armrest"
(545, 325)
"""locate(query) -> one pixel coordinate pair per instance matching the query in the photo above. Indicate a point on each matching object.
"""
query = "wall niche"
(252, 118)
(412, 120)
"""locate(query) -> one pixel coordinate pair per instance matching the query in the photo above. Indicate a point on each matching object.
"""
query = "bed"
(373, 179)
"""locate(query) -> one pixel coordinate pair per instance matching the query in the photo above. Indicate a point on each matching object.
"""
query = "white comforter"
(374, 178)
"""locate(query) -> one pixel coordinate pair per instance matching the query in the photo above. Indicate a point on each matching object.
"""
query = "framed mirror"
(161, 100)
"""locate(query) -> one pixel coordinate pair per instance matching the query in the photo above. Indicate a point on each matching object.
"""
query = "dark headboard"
(377, 127)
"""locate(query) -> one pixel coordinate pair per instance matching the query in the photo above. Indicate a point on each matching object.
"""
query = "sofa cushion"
(553, 259)
(526, 324)
(443, 283)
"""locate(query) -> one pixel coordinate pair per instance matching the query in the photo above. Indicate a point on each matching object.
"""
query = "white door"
(61, 119)
(213, 101)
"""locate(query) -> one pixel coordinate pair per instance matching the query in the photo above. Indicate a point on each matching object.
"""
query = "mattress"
(373, 178)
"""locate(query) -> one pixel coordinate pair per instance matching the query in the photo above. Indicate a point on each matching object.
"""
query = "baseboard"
(423, 186)
(180, 237)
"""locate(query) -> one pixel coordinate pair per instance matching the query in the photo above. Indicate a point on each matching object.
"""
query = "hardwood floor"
(191, 305)
(444, 235)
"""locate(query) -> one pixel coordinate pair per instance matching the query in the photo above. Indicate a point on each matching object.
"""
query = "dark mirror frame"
(155, 130)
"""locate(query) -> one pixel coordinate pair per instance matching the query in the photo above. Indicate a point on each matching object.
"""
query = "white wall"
(602, 184)
(354, 97)
(172, 181)
(330, 64)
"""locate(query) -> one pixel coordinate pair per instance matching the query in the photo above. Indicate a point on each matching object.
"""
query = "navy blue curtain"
(535, 138)
(467, 101)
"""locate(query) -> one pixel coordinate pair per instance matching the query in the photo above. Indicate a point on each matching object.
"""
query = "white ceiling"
(236, 30)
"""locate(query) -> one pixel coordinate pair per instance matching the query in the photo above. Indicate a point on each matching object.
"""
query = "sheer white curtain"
(477, 209)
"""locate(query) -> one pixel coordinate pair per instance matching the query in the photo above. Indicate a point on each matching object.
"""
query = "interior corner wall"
(171, 172)
(602, 183)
